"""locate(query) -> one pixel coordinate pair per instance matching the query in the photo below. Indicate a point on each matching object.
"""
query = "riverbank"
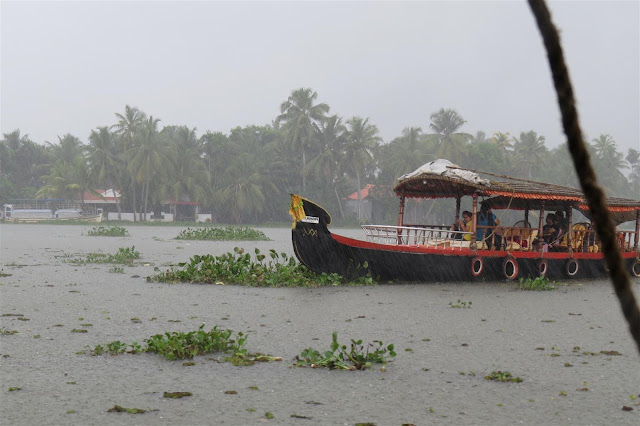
(570, 346)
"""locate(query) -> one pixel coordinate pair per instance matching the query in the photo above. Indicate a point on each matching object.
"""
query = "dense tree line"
(246, 176)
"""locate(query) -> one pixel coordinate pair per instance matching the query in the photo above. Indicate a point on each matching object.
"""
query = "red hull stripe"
(449, 251)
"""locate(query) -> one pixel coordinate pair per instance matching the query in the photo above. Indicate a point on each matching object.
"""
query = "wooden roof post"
(457, 207)
(569, 227)
(526, 213)
(540, 234)
(635, 244)
(474, 212)
(400, 218)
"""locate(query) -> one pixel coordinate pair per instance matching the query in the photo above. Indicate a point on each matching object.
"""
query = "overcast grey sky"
(67, 67)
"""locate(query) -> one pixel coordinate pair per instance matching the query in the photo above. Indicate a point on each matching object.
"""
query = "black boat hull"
(321, 251)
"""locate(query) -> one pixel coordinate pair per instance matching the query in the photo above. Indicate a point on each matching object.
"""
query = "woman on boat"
(463, 225)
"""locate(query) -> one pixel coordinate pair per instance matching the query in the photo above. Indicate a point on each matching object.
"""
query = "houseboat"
(39, 210)
(422, 252)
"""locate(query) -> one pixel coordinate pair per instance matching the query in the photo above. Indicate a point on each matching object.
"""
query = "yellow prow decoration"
(296, 210)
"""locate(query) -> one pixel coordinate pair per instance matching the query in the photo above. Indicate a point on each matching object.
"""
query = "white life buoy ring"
(510, 268)
(543, 267)
(571, 268)
(635, 269)
(477, 266)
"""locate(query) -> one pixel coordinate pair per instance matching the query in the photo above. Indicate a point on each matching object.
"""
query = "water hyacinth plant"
(178, 345)
(124, 256)
(536, 284)
(276, 270)
(341, 357)
(108, 231)
(230, 233)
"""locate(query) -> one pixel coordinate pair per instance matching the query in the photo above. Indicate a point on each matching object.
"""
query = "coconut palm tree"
(23, 162)
(450, 142)
(103, 161)
(68, 148)
(302, 117)
(147, 158)
(633, 158)
(326, 165)
(67, 180)
(408, 152)
(362, 143)
(126, 128)
(603, 144)
(246, 186)
(504, 141)
(530, 151)
(187, 176)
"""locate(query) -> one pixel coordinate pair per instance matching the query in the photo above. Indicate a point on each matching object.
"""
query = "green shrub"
(230, 233)
(341, 357)
(502, 376)
(124, 256)
(537, 284)
(238, 268)
(108, 231)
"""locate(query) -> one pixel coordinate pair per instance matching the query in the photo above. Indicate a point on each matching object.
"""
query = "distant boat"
(40, 210)
(438, 253)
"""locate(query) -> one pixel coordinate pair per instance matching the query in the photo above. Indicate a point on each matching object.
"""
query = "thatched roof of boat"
(442, 179)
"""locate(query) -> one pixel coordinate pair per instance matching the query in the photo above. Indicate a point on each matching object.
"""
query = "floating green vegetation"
(79, 330)
(14, 389)
(269, 415)
(502, 376)
(536, 284)
(4, 274)
(108, 231)
(460, 304)
(238, 268)
(230, 233)
(299, 416)
(116, 270)
(341, 357)
(241, 360)
(119, 409)
(176, 395)
(124, 256)
(178, 345)
(4, 332)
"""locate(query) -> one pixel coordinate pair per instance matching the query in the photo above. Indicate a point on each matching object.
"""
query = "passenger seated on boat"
(549, 233)
(486, 218)
(561, 222)
(462, 225)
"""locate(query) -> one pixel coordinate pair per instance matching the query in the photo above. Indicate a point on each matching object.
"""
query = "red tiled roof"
(364, 193)
(92, 197)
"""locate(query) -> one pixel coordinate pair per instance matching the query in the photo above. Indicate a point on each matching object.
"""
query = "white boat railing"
(410, 235)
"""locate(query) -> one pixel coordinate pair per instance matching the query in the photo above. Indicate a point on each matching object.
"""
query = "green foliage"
(108, 231)
(536, 284)
(119, 409)
(230, 233)
(124, 256)
(176, 395)
(460, 304)
(278, 270)
(355, 357)
(178, 345)
(502, 376)
(187, 345)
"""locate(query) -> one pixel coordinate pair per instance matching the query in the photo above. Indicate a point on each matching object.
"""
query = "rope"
(588, 181)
